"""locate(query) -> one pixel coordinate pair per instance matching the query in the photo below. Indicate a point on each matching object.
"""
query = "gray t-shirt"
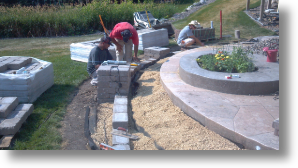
(184, 33)
(97, 56)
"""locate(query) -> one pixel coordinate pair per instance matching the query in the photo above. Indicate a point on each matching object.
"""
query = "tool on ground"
(114, 62)
(148, 18)
(103, 146)
(104, 28)
(123, 132)
(133, 64)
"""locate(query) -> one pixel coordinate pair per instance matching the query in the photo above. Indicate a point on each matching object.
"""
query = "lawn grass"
(233, 18)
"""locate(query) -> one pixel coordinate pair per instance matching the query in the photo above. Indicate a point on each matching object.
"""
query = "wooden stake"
(247, 4)
(262, 10)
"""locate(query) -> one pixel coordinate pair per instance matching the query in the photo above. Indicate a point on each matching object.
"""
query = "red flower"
(222, 59)
(219, 51)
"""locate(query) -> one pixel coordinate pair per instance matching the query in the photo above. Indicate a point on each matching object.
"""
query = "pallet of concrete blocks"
(80, 51)
(112, 80)
(155, 52)
(12, 116)
(25, 77)
(151, 37)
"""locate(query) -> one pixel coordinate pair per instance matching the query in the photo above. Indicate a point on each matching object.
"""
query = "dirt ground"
(159, 124)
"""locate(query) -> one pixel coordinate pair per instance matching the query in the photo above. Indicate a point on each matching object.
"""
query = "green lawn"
(233, 18)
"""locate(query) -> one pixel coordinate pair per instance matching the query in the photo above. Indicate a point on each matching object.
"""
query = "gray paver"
(120, 120)
(7, 104)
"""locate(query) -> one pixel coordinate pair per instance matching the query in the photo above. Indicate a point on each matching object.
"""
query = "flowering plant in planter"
(236, 61)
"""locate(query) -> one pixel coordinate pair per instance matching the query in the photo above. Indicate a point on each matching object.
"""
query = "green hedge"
(49, 21)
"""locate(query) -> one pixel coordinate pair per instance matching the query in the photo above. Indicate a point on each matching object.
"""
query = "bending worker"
(97, 56)
(186, 37)
(123, 36)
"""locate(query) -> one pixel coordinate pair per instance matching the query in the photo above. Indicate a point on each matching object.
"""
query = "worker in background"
(97, 56)
(123, 36)
(186, 37)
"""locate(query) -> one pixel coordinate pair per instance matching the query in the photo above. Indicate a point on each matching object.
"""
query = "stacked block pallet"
(12, 116)
(27, 87)
(80, 51)
(151, 37)
(203, 34)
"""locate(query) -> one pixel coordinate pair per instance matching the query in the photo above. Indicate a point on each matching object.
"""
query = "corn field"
(48, 21)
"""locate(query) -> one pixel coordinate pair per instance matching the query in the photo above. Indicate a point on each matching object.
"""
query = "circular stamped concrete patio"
(243, 119)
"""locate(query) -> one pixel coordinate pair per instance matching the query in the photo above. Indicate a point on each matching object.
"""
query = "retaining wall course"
(108, 81)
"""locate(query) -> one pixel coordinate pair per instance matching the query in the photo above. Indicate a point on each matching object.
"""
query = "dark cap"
(106, 40)
(126, 34)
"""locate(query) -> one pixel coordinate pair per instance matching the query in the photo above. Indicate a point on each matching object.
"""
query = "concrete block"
(120, 120)
(7, 104)
(33, 66)
(101, 95)
(15, 65)
(124, 92)
(3, 67)
(119, 108)
(14, 121)
(106, 90)
(119, 140)
(108, 70)
(122, 147)
(120, 100)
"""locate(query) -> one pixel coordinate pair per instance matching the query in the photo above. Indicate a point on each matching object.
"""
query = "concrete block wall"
(112, 80)
(13, 115)
(151, 37)
(27, 87)
(155, 52)
(80, 51)
(120, 119)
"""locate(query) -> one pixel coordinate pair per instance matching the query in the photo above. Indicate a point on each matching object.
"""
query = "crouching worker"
(97, 56)
(186, 37)
(123, 36)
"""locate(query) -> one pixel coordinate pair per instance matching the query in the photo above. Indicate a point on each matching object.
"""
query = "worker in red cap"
(123, 36)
